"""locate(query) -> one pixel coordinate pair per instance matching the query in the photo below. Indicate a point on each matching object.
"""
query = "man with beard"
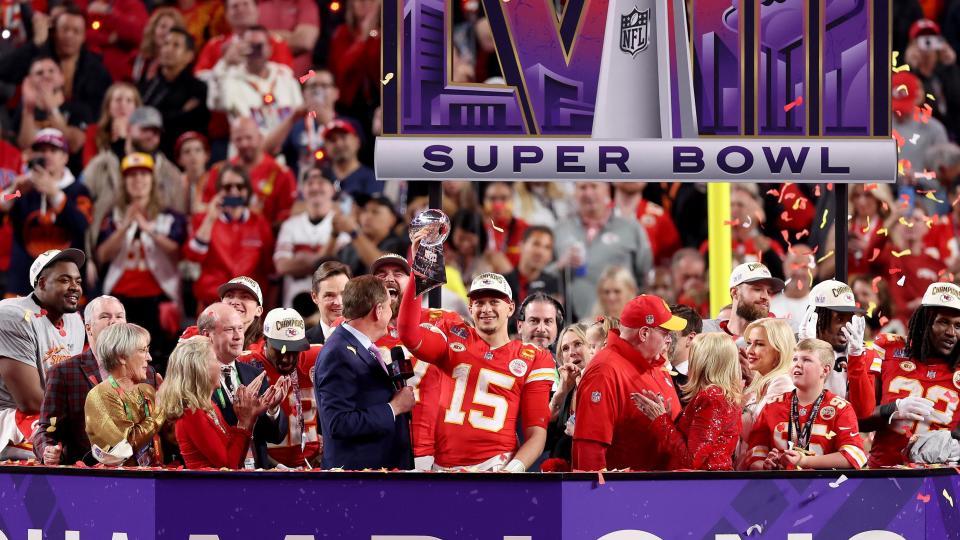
(37, 332)
(540, 320)
(288, 354)
(102, 175)
(918, 380)
(429, 384)
(751, 288)
(833, 316)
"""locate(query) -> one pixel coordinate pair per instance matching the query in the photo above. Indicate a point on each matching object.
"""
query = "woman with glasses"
(122, 419)
(229, 240)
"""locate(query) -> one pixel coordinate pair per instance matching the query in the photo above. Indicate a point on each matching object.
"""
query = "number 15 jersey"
(491, 388)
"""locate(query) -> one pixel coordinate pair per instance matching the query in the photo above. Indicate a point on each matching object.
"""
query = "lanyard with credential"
(154, 446)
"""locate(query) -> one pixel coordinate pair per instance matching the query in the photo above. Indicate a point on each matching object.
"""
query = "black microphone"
(401, 368)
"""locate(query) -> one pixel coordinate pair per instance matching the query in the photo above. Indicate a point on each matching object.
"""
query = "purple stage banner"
(374, 506)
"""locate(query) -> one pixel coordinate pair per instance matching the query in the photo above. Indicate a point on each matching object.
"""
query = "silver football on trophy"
(433, 220)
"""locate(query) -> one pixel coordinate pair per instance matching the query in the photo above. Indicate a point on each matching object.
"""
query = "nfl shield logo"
(633, 31)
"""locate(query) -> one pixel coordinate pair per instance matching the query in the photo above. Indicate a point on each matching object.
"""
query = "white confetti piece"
(838, 481)
(755, 527)
(915, 138)
(901, 281)
(946, 495)
(802, 520)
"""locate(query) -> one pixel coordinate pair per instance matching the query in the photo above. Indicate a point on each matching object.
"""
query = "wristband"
(887, 411)
(515, 466)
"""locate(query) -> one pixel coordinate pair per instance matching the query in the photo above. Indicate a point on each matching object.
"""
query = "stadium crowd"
(194, 244)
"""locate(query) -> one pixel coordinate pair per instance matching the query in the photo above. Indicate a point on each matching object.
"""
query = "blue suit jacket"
(353, 392)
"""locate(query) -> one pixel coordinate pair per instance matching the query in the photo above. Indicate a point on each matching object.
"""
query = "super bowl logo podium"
(778, 71)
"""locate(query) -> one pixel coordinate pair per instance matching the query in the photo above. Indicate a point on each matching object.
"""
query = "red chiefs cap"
(924, 27)
(650, 310)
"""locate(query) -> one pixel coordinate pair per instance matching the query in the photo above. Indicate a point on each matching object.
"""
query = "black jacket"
(265, 430)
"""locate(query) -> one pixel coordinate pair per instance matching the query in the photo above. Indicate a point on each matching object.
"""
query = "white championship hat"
(942, 295)
(834, 295)
(751, 272)
(489, 281)
(117, 455)
(49, 257)
(284, 330)
(242, 283)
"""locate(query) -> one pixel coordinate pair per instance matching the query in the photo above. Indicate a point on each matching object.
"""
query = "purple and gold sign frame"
(786, 73)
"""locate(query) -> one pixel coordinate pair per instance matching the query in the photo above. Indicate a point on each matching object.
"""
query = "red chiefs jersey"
(430, 386)
(480, 421)
(902, 376)
(834, 430)
(663, 234)
(288, 452)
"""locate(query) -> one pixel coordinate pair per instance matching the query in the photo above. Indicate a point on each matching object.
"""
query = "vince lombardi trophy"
(645, 63)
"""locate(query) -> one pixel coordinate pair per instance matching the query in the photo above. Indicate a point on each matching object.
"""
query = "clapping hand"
(276, 393)
(791, 459)
(772, 461)
(854, 331)
(650, 404)
(808, 328)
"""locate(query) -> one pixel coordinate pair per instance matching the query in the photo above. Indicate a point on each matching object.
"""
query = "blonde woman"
(121, 416)
(615, 288)
(205, 438)
(162, 19)
(770, 346)
(596, 333)
(707, 432)
(109, 134)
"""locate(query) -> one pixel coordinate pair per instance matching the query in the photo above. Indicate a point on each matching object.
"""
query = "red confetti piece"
(830, 186)
(732, 222)
(773, 192)
(922, 497)
(895, 271)
(306, 77)
(312, 114)
(871, 187)
(803, 233)
(786, 236)
(795, 103)
(789, 196)
(11, 196)
(884, 320)
(601, 481)
(785, 218)
(874, 282)
(43, 313)
(899, 138)
(876, 253)
(816, 190)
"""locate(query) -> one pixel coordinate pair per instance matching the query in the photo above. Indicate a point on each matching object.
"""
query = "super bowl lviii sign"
(617, 90)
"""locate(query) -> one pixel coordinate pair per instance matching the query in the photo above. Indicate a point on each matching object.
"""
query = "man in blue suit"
(362, 415)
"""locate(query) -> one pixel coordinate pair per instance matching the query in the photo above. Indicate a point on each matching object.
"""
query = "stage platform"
(98, 504)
